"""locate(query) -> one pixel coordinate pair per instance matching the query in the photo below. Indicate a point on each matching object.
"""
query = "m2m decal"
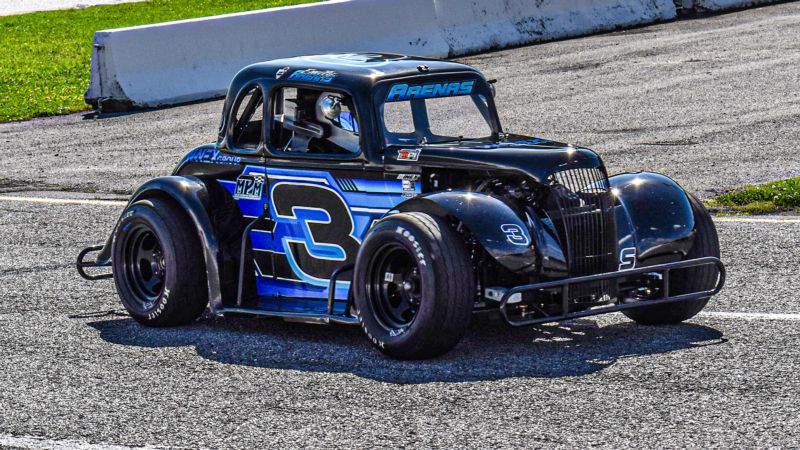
(403, 91)
(249, 186)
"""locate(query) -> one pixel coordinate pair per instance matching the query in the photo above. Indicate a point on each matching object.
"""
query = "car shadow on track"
(490, 351)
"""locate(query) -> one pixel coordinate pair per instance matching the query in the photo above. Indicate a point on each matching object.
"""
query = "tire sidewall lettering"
(162, 304)
(379, 342)
(138, 213)
(417, 247)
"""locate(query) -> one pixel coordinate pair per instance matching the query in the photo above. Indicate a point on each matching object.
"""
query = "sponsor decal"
(409, 154)
(281, 72)
(408, 176)
(514, 234)
(213, 156)
(249, 186)
(317, 76)
(408, 185)
(400, 92)
(627, 258)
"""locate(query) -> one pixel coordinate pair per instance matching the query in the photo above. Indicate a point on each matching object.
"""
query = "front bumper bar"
(564, 284)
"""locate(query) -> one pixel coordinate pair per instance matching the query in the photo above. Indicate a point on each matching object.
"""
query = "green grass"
(776, 196)
(45, 56)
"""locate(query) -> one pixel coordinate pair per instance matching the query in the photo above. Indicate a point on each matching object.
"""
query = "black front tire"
(158, 264)
(414, 286)
(706, 243)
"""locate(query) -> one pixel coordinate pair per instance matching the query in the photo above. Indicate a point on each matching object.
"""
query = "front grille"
(583, 211)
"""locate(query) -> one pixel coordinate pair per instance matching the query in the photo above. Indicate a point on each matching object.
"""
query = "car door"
(320, 205)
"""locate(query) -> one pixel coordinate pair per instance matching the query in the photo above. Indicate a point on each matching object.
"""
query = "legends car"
(381, 190)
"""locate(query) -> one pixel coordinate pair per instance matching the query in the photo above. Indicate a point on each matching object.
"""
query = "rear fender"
(192, 194)
(493, 223)
(654, 217)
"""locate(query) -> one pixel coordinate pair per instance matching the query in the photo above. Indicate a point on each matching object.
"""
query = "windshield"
(434, 113)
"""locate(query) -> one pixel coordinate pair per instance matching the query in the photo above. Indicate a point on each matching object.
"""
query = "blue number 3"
(326, 225)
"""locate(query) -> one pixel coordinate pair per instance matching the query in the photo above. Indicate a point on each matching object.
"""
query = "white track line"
(73, 201)
(62, 201)
(38, 443)
(750, 316)
(757, 219)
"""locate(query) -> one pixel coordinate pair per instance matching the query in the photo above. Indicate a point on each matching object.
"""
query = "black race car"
(381, 190)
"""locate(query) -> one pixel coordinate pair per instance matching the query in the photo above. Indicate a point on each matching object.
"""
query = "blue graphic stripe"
(372, 199)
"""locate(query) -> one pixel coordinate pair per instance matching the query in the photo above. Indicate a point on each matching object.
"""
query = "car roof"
(354, 67)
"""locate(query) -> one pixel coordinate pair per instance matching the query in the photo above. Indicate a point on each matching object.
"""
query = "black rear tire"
(686, 280)
(414, 286)
(158, 264)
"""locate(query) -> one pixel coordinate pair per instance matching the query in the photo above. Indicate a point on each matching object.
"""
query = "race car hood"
(535, 157)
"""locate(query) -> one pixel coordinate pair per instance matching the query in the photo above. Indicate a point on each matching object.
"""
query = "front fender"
(654, 216)
(500, 230)
(192, 194)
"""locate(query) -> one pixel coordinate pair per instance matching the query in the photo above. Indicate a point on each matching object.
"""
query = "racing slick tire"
(158, 264)
(683, 281)
(414, 286)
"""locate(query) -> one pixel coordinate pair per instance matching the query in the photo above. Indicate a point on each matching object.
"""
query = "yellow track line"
(61, 201)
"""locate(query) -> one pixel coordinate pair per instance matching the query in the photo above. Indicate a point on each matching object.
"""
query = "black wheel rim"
(394, 286)
(144, 265)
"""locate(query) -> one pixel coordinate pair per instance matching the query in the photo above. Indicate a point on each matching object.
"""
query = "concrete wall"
(188, 60)
(475, 25)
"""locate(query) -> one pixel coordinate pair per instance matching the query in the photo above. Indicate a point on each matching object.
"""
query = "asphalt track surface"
(712, 102)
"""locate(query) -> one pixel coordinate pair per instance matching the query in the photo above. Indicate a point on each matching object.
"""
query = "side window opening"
(249, 119)
(314, 121)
